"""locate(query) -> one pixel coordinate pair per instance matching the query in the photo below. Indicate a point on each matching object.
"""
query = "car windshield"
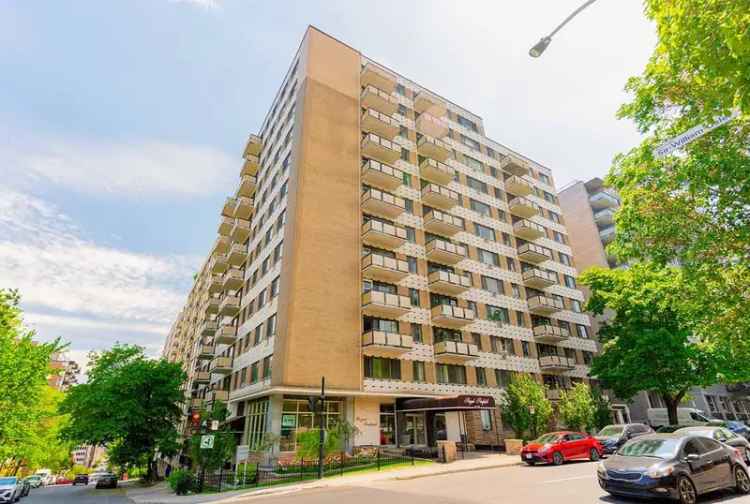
(611, 430)
(658, 448)
(547, 438)
(8, 481)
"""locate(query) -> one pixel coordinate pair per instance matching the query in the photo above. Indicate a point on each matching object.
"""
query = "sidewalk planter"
(513, 446)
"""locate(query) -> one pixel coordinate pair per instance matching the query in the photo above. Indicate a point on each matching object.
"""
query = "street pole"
(321, 405)
(540, 46)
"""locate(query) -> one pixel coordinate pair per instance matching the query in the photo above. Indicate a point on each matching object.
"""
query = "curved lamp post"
(540, 46)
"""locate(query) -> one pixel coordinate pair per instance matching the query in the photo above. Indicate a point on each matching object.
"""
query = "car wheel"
(557, 458)
(593, 455)
(530, 462)
(741, 480)
(686, 491)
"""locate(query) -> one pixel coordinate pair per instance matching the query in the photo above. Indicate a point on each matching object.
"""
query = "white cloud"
(206, 4)
(129, 169)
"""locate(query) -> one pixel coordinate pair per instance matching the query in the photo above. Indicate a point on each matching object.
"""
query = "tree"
(577, 407)
(648, 344)
(224, 442)
(525, 407)
(130, 403)
(602, 410)
(335, 440)
(693, 207)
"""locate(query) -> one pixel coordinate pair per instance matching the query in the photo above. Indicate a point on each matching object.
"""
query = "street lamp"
(540, 46)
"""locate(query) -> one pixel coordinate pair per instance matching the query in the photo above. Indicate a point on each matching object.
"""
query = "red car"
(557, 447)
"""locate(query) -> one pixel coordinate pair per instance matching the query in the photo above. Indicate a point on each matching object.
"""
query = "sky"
(122, 125)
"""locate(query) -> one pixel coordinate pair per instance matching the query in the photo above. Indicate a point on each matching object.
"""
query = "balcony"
(250, 166)
(387, 269)
(382, 235)
(455, 352)
(607, 234)
(208, 328)
(528, 230)
(429, 125)
(221, 365)
(380, 124)
(215, 284)
(522, 207)
(439, 196)
(550, 334)
(604, 199)
(205, 351)
(233, 279)
(381, 175)
(605, 217)
(433, 148)
(229, 306)
(383, 344)
(225, 226)
(382, 203)
(226, 335)
(221, 245)
(437, 172)
(254, 146)
(554, 394)
(217, 395)
(374, 98)
(556, 363)
(218, 263)
(211, 305)
(375, 76)
(518, 186)
(248, 184)
(538, 278)
(228, 208)
(428, 102)
(533, 253)
(445, 282)
(451, 316)
(202, 377)
(237, 255)
(442, 223)
(243, 208)
(515, 165)
(445, 252)
(380, 149)
(381, 304)
(544, 305)
(196, 403)
(240, 231)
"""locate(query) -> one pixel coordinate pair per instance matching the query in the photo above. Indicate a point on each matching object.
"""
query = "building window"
(516, 290)
(575, 305)
(525, 348)
(267, 367)
(477, 185)
(400, 89)
(406, 179)
(507, 240)
(416, 333)
(414, 297)
(511, 263)
(554, 217)
(254, 373)
(411, 234)
(418, 371)
(481, 376)
(404, 154)
(493, 285)
(502, 377)
(255, 421)
(449, 373)
(403, 131)
(470, 143)
(275, 287)
(569, 281)
(487, 257)
(477, 339)
(520, 319)
(484, 232)
(412, 262)
(258, 334)
(479, 207)
(271, 326)
(485, 418)
(382, 369)
(498, 314)
(409, 206)
(582, 330)
(473, 164)
(466, 123)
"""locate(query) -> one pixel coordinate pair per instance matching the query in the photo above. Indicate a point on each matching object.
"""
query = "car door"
(697, 465)
(567, 446)
(718, 463)
(579, 445)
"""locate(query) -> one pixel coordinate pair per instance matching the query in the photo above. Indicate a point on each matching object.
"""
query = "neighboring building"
(374, 233)
(65, 372)
(589, 209)
(89, 456)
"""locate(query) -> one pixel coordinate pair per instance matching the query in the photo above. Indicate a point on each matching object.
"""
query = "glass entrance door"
(414, 431)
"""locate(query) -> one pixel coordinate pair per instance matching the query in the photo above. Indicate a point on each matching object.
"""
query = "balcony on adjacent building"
(550, 334)
(228, 209)
(196, 403)
(554, 394)
(379, 123)
(221, 245)
(522, 207)
(381, 175)
(217, 395)
(226, 335)
(435, 171)
(538, 278)
(218, 263)
(225, 226)
(248, 184)
(544, 305)
(445, 252)
(254, 146)
(384, 344)
(605, 217)
(215, 283)
(208, 327)
(428, 102)
(433, 148)
(202, 377)
(380, 149)
(375, 201)
(445, 282)
(529, 230)
(451, 316)
(515, 165)
(387, 269)
(373, 75)
(243, 208)
(378, 99)
(233, 279)
(604, 199)
(556, 363)
(429, 125)
(229, 306)
(240, 231)
(211, 305)
(237, 255)
(221, 365)
(382, 304)
(250, 166)
(381, 235)
(455, 352)
(533, 253)
(518, 186)
(439, 196)
(607, 234)
(442, 223)
(205, 351)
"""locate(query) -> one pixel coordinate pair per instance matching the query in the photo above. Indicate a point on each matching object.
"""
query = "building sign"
(460, 402)
(477, 401)
(242, 453)
(288, 421)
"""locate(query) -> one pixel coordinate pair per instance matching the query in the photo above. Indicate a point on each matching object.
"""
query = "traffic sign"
(207, 442)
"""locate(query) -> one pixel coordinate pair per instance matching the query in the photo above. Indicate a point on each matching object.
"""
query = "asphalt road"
(68, 494)
(572, 483)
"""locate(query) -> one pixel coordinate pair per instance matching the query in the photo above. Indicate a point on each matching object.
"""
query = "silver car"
(10, 489)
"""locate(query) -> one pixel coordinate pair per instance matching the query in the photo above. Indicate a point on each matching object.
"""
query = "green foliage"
(602, 410)
(523, 395)
(336, 437)
(214, 458)
(577, 408)
(130, 403)
(76, 469)
(181, 481)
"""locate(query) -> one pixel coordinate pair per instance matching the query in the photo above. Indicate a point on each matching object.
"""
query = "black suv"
(613, 437)
(83, 479)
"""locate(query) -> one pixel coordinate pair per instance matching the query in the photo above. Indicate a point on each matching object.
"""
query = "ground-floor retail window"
(414, 432)
(255, 421)
(387, 424)
(296, 416)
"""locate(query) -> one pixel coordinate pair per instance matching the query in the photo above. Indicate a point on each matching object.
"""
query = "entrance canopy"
(455, 403)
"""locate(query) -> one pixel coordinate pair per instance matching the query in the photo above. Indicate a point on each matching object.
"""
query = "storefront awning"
(461, 402)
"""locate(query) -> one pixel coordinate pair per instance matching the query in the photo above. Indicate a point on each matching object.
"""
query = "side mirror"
(692, 457)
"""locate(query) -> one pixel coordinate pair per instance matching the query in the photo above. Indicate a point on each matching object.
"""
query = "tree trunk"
(672, 402)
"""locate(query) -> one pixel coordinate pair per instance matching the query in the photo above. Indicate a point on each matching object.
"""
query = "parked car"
(82, 479)
(94, 477)
(658, 417)
(47, 477)
(10, 489)
(106, 480)
(679, 466)
(557, 447)
(734, 426)
(722, 435)
(613, 437)
(668, 429)
(62, 480)
(25, 487)
(34, 480)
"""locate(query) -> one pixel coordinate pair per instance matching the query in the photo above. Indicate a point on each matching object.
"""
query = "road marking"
(569, 479)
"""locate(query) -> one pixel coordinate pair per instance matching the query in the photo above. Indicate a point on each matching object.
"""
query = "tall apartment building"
(378, 238)
(589, 208)
(64, 372)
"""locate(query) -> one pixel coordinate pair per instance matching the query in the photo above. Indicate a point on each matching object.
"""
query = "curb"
(457, 471)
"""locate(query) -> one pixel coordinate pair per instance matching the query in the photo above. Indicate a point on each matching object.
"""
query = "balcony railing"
(379, 123)
(217, 395)
(433, 148)
(550, 334)
(445, 252)
(254, 145)
(430, 125)
(604, 199)
(229, 306)
(451, 316)
(226, 335)
(443, 223)
(233, 279)
(215, 283)
(384, 344)
(515, 165)
(382, 235)
(428, 102)
(607, 234)
(221, 245)
(529, 230)
(382, 304)
(517, 186)
(248, 184)
(240, 231)
(522, 207)
(225, 226)
(375, 201)
(538, 278)
(208, 327)
(228, 209)
(381, 175)
(455, 352)
(250, 166)
(533, 253)
(445, 282)
(202, 377)
(196, 403)
(211, 305)
(605, 216)
(544, 305)
(205, 351)
(435, 171)
(380, 149)
(556, 363)
(378, 99)
(439, 196)
(221, 365)
(237, 255)
(380, 267)
(243, 208)
(373, 75)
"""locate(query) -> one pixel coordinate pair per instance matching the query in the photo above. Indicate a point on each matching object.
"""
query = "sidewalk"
(161, 494)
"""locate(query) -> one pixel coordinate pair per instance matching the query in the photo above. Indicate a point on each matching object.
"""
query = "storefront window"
(255, 421)
(414, 430)
(296, 416)
(387, 425)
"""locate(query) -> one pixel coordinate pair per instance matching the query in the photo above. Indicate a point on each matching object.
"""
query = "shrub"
(181, 481)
